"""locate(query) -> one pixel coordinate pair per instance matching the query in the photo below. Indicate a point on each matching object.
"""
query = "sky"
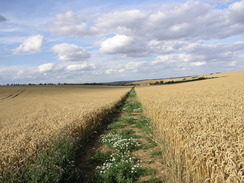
(79, 41)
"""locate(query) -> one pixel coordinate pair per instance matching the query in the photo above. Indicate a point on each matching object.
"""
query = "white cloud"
(116, 44)
(134, 65)
(198, 63)
(176, 36)
(31, 44)
(183, 57)
(71, 24)
(168, 46)
(121, 22)
(140, 33)
(46, 67)
(70, 52)
(126, 45)
(110, 71)
(215, 52)
(236, 11)
(232, 64)
(79, 67)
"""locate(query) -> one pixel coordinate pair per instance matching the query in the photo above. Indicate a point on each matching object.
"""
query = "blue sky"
(100, 41)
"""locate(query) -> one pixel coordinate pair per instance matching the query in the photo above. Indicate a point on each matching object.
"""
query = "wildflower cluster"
(120, 143)
(126, 108)
(119, 162)
(137, 109)
(121, 166)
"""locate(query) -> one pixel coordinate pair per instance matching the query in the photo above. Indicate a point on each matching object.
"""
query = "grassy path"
(123, 151)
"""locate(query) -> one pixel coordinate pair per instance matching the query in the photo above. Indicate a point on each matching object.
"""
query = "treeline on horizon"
(180, 81)
(119, 83)
(39, 84)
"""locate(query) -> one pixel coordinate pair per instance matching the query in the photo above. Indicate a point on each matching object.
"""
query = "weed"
(100, 157)
(120, 143)
(115, 126)
(148, 146)
(132, 106)
(150, 162)
(144, 124)
(149, 140)
(146, 172)
(154, 180)
(132, 93)
(118, 168)
(129, 120)
(155, 153)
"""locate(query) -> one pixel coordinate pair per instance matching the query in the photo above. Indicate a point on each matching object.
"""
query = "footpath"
(123, 151)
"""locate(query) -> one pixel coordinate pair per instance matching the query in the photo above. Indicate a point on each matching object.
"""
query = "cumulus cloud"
(70, 52)
(71, 24)
(116, 44)
(111, 71)
(31, 45)
(129, 67)
(81, 67)
(183, 57)
(177, 36)
(2, 19)
(46, 67)
(126, 45)
(121, 22)
(63, 68)
(232, 64)
(49, 72)
(165, 47)
(198, 63)
(134, 66)
(236, 11)
(216, 52)
(145, 32)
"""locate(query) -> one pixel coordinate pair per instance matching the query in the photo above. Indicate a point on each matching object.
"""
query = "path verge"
(124, 150)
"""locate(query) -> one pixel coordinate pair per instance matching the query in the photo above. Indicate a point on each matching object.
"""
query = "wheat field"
(200, 127)
(29, 115)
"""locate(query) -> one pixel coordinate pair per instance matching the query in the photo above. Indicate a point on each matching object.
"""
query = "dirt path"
(123, 151)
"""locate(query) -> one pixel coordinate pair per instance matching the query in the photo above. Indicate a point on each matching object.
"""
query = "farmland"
(30, 115)
(194, 130)
(200, 127)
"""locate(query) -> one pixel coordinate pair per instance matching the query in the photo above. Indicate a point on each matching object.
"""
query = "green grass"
(144, 124)
(100, 157)
(115, 126)
(148, 146)
(129, 120)
(119, 168)
(53, 164)
(123, 141)
(155, 153)
(154, 180)
(147, 172)
(149, 140)
(150, 162)
(132, 106)
(132, 93)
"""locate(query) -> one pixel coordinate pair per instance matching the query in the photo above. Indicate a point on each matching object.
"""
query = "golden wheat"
(201, 127)
(31, 114)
